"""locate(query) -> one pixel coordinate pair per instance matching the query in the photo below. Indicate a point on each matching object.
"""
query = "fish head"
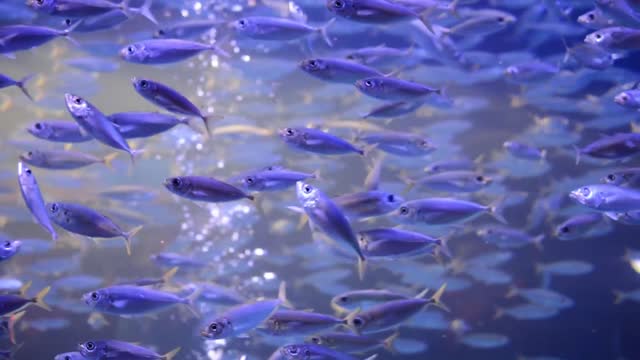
(424, 145)
(46, 6)
(482, 179)
(253, 182)
(57, 212)
(178, 185)
(77, 106)
(40, 130)
(564, 231)
(33, 157)
(144, 86)
(307, 194)
(95, 298)
(626, 99)
(391, 200)
(371, 86)
(218, 329)
(502, 20)
(69, 356)
(160, 34)
(341, 7)
(25, 175)
(293, 136)
(597, 38)
(314, 66)
(588, 18)
(404, 214)
(92, 349)
(585, 195)
(613, 179)
(9, 248)
(244, 26)
(296, 352)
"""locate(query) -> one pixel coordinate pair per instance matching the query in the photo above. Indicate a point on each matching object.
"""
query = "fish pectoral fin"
(365, 12)
(119, 304)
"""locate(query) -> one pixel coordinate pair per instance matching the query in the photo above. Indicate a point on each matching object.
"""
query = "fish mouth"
(618, 100)
(574, 195)
(68, 97)
(206, 334)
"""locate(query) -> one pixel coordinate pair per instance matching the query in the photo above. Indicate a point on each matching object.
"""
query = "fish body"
(394, 243)
(317, 141)
(607, 198)
(186, 29)
(531, 72)
(276, 29)
(368, 203)
(201, 188)
(297, 322)
(617, 146)
(337, 70)
(441, 211)
(62, 159)
(173, 259)
(165, 51)
(365, 298)
(615, 38)
(508, 237)
(394, 89)
(524, 151)
(33, 199)
(352, 343)
(144, 124)
(240, 319)
(312, 351)
(400, 144)
(116, 349)
(24, 37)
(273, 178)
(371, 11)
(578, 226)
(75, 8)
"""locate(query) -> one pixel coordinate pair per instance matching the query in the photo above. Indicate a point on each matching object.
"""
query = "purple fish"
(617, 146)
(115, 349)
(388, 88)
(317, 141)
(165, 51)
(279, 29)
(33, 199)
(24, 37)
(337, 70)
(6, 81)
(132, 300)
(144, 124)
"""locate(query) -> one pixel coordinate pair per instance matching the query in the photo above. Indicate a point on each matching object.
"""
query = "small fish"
(165, 279)
(508, 237)
(115, 349)
(173, 260)
(399, 143)
(132, 300)
(64, 159)
(312, 351)
(326, 216)
(450, 165)
(352, 343)
(74, 355)
(13, 304)
(6, 81)
(622, 296)
(186, 29)
(629, 98)
(381, 53)
(33, 199)
(542, 297)
(481, 24)
(243, 318)
(145, 124)
(390, 314)
(527, 312)
(279, 29)
(366, 204)
(82, 220)
(9, 249)
(531, 72)
(451, 181)
(394, 243)
(579, 226)
(58, 131)
(317, 141)
(372, 11)
(165, 51)
(607, 198)
(168, 99)
(442, 211)
(298, 322)
(392, 109)
(24, 37)
(591, 56)
(218, 295)
(337, 70)
(615, 38)
(617, 146)
(623, 177)
(524, 151)
(94, 122)
(595, 19)
(565, 268)
(76, 8)
(351, 300)
(484, 340)
(202, 188)
(394, 89)
(274, 178)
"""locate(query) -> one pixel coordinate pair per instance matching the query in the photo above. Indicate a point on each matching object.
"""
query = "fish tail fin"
(634, 126)
(619, 297)
(205, 120)
(171, 354)
(362, 267)
(190, 300)
(323, 31)
(39, 299)
(107, 160)
(567, 50)
(145, 10)
(282, 295)
(133, 154)
(389, 343)
(453, 8)
(410, 183)
(24, 288)
(372, 357)
(498, 314)
(422, 294)
(21, 85)
(13, 320)
(436, 298)
(348, 320)
(167, 276)
(496, 209)
(128, 235)
(537, 242)
(444, 246)
(577, 150)
(67, 32)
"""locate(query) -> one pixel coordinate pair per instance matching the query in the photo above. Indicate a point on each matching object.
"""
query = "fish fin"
(167, 276)
(422, 294)
(362, 267)
(39, 299)
(410, 183)
(219, 51)
(513, 291)
(389, 343)
(24, 288)
(372, 357)
(537, 242)
(128, 235)
(107, 160)
(67, 32)
(577, 150)
(444, 246)
(635, 128)
(436, 298)
(348, 320)
(21, 85)
(372, 181)
(171, 354)
(619, 297)
(13, 319)
(323, 31)
(191, 299)
(282, 295)
(189, 122)
(567, 50)
(496, 209)
(499, 313)
(424, 18)
(145, 10)
(124, 7)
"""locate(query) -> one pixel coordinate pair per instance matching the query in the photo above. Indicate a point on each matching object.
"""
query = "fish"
(312, 351)
(186, 29)
(94, 122)
(93, 64)
(201, 188)
(619, 11)
(595, 19)
(168, 99)
(622, 296)
(527, 312)
(391, 110)
(450, 165)
(484, 340)
(607, 198)
(176, 260)
(349, 301)
(442, 211)
(15, 38)
(337, 70)
(298, 322)
(64, 159)
(389, 243)
(398, 143)
(482, 23)
(616, 146)
(394, 89)
(623, 177)
(524, 151)
(352, 343)
(531, 72)
(327, 217)
(32, 197)
(372, 11)
(82, 220)
(13, 304)
(166, 51)
(615, 38)
(217, 294)
(579, 226)
(629, 98)
(591, 56)
(9, 249)
(105, 349)
(565, 268)
(278, 29)
(6, 81)
(392, 313)
(132, 300)
(380, 53)
(165, 279)
(317, 141)
(76, 8)
(451, 181)
(274, 178)
(508, 237)
(59, 131)
(139, 124)
(542, 297)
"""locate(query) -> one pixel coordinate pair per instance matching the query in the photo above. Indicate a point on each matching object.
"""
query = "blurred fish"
(274, 178)
(615, 38)
(201, 188)
(74, 355)
(542, 297)
(58, 131)
(565, 268)
(279, 29)
(394, 89)
(6, 81)
(623, 177)
(298, 322)
(393, 243)
(25, 37)
(35, 202)
(105, 349)
(93, 64)
(145, 124)
(186, 29)
(13, 304)
(607, 198)
(165, 51)
(64, 159)
(312, 351)
(621, 296)
(372, 11)
(399, 143)
(580, 226)
(595, 19)
(508, 237)
(524, 151)
(173, 259)
(484, 340)
(458, 181)
(617, 146)
(9, 249)
(351, 300)
(530, 72)
(352, 343)
(441, 211)
(337, 70)
(527, 312)
(317, 141)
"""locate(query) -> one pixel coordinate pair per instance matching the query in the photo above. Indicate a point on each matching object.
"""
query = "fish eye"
(54, 207)
(624, 97)
(307, 189)
(130, 49)
(7, 244)
(30, 154)
(480, 178)
(289, 131)
(591, 16)
(338, 4)
(144, 84)
(28, 171)
(585, 191)
(598, 36)
(404, 210)
(176, 182)
(307, 352)
(357, 322)
(161, 32)
(67, 22)
(344, 299)
(249, 180)
(213, 327)
(90, 345)
(368, 83)
(38, 126)
(391, 198)
(501, 19)
(294, 350)
(77, 100)
(67, 357)
(316, 340)
(94, 296)
(611, 177)
(242, 22)
(40, 2)
(313, 63)
(564, 229)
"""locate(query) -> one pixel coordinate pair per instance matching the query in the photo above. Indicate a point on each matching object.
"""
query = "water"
(253, 246)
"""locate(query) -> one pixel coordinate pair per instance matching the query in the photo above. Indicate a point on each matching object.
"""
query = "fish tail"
(167, 276)
(577, 150)
(499, 313)
(24, 288)
(444, 246)
(190, 300)
(497, 210)
(21, 85)
(362, 266)
(171, 354)
(128, 235)
(436, 298)
(513, 291)
(13, 319)
(323, 32)
(124, 6)
(453, 8)
(219, 51)
(537, 242)
(348, 320)
(567, 50)
(67, 32)
(619, 297)
(39, 299)
(282, 295)
(389, 343)
(54, 234)
(107, 160)
(145, 10)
